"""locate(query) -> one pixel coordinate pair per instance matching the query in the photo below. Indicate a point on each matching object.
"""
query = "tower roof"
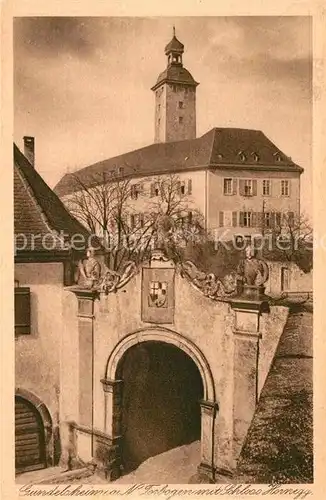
(174, 46)
(175, 74)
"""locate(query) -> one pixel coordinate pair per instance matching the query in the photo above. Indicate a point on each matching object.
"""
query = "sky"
(82, 84)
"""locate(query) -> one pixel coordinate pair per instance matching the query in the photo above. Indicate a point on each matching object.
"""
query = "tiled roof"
(39, 212)
(175, 74)
(219, 148)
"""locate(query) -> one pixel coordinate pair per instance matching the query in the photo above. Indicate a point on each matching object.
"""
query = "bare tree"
(109, 206)
(291, 239)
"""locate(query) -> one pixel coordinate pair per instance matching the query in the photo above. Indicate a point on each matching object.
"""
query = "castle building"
(238, 179)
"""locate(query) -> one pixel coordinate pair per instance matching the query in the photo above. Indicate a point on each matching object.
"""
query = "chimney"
(29, 149)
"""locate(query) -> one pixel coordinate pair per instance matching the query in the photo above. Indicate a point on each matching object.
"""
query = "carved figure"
(253, 271)
(90, 270)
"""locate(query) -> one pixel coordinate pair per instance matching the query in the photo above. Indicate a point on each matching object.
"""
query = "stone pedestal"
(108, 444)
(247, 336)
(84, 424)
(206, 469)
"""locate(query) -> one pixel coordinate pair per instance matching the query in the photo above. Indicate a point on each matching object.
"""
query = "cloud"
(52, 35)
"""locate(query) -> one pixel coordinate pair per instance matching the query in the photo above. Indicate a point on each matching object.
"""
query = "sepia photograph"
(163, 250)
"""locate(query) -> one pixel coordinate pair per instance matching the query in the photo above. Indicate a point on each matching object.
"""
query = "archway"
(162, 389)
(114, 387)
(162, 334)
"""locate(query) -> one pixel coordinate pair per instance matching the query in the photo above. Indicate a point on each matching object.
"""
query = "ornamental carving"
(112, 280)
(208, 283)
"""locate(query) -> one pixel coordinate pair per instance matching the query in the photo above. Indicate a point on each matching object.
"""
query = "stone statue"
(253, 272)
(89, 270)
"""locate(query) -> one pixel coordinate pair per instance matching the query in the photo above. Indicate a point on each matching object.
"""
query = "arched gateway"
(168, 336)
(167, 402)
(183, 327)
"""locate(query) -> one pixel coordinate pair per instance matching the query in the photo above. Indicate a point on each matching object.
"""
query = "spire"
(174, 51)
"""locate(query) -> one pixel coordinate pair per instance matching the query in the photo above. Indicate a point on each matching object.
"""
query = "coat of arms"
(157, 294)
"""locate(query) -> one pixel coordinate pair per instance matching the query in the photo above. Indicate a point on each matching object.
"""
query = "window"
(266, 188)
(291, 219)
(180, 104)
(285, 188)
(285, 279)
(136, 220)
(247, 219)
(155, 189)
(189, 186)
(174, 88)
(22, 311)
(267, 220)
(159, 121)
(180, 119)
(159, 108)
(141, 220)
(228, 188)
(248, 187)
(278, 219)
(182, 188)
(134, 191)
(221, 219)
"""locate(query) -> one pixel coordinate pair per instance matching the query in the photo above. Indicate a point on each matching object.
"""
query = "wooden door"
(29, 437)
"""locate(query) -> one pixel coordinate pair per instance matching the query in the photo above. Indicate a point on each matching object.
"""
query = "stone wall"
(233, 363)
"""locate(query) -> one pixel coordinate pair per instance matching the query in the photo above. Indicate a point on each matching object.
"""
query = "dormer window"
(255, 157)
(219, 156)
(242, 156)
(277, 157)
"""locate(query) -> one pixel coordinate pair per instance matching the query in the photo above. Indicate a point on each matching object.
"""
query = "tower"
(175, 98)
